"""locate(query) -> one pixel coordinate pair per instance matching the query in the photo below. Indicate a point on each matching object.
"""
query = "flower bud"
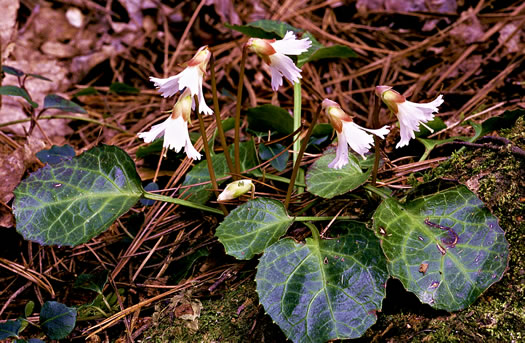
(235, 189)
(390, 97)
(183, 106)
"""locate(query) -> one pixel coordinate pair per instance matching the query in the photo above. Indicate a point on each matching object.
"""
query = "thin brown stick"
(211, 171)
(300, 157)
(238, 112)
(217, 111)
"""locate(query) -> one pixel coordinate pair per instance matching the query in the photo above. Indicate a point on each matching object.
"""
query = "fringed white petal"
(203, 107)
(191, 77)
(155, 132)
(412, 114)
(167, 87)
(381, 133)
(282, 65)
(341, 154)
(290, 45)
(357, 138)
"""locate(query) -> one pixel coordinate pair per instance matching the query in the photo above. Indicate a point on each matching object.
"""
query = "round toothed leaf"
(57, 320)
(328, 182)
(445, 247)
(10, 328)
(253, 226)
(324, 289)
(70, 202)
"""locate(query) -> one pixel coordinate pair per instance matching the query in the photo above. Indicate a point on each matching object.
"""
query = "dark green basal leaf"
(184, 266)
(122, 88)
(252, 227)
(17, 91)
(267, 152)
(56, 154)
(199, 173)
(58, 102)
(267, 29)
(323, 290)
(12, 71)
(92, 282)
(319, 52)
(269, 117)
(86, 91)
(152, 186)
(57, 320)
(446, 247)
(72, 201)
(503, 121)
(10, 329)
(328, 183)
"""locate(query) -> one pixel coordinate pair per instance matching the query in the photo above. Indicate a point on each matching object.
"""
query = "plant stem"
(63, 116)
(319, 219)
(377, 152)
(238, 114)
(211, 171)
(315, 232)
(296, 116)
(300, 157)
(377, 191)
(297, 101)
(217, 111)
(181, 202)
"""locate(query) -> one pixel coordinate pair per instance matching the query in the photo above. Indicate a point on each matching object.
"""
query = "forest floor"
(162, 260)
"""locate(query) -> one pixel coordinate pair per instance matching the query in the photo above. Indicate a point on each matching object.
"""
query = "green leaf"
(152, 186)
(324, 289)
(58, 102)
(12, 71)
(37, 76)
(57, 320)
(74, 200)
(86, 91)
(199, 173)
(10, 329)
(445, 247)
(328, 182)
(503, 121)
(435, 124)
(267, 152)
(269, 117)
(28, 309)
(184, 266)
(17, 91)
(56, 154)
(252, 227)
(122, 88)
(430, 144)
(319, 52)
(267, 29)
(92, 282)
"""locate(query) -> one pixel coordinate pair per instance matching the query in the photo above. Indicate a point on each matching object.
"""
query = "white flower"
(191, 78)
(235, 189)
(349, 133)
(274, 52)
(175, 129)
(410, 114)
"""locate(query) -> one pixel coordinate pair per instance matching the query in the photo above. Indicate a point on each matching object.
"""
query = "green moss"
(233, 316)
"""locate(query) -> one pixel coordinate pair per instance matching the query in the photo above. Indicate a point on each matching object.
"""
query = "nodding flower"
(175, 128)
(273, 52)
(410, 114)
(191, 78)
(349, 133)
